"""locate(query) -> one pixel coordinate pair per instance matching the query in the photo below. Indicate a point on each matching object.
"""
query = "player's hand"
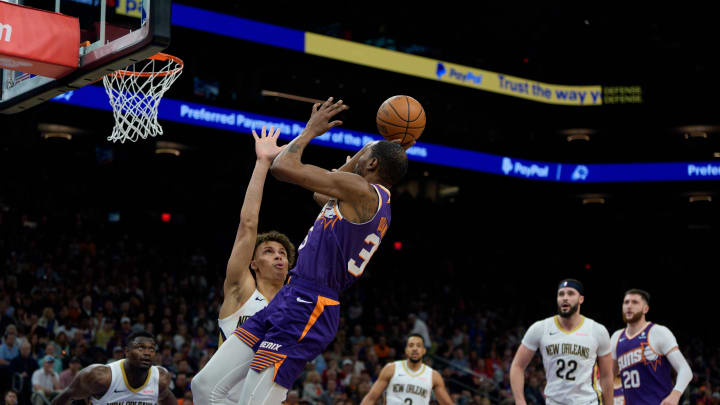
(266, 144)
(322, 113)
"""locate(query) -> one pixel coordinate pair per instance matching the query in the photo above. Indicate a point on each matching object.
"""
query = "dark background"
(502, 241)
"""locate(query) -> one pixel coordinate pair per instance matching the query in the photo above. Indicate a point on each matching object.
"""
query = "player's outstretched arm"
(322, 199)
(380, 385)
(517, 373)
(238, 280)
(606, 368)
(439, 389)
(165, 396)
(288, 166)
(90, 381)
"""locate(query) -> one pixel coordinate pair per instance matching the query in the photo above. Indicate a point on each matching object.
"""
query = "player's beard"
(568, 314)
(414, 361)
(636, 317)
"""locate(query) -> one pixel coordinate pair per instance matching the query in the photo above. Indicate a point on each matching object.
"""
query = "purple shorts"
(297, 325)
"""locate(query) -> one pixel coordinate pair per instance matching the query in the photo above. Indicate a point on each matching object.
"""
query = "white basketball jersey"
(407, 387)
(569, 358)
(253, 304)
(120, 392)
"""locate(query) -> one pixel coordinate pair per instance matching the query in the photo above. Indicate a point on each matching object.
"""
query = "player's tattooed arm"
(345, 186)
(92, 381)
(350, 162)
(165, 396)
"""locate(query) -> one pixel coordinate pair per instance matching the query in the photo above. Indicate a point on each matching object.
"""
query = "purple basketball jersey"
(646, 374)
(335, 251)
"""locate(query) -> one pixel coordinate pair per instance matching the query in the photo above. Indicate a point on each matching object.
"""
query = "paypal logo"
(457, 75)
(580, 173)
(465, 77)
(507, 165)
(440, 71)
(518, 169)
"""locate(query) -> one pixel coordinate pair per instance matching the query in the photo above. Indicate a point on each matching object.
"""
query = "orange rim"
(159, 57)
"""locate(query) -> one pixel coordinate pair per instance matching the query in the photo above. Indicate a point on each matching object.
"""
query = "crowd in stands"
(72, 291)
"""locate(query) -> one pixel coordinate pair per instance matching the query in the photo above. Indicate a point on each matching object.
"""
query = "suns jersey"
(120, 392)
(645, 372)
(256, 302)
(407, 387)
(569, 358)
(336, 251)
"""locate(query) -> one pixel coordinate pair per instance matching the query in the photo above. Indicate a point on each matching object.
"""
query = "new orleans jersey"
(253, 304)
(407, 387)
(120, 392)
(569, 358)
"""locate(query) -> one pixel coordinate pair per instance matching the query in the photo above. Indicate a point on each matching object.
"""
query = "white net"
(135, 95)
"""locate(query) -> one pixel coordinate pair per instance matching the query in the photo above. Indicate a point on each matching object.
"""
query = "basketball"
(401, 117)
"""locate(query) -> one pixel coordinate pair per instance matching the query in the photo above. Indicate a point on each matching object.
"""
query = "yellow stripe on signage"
(419, 66)
(130, 8)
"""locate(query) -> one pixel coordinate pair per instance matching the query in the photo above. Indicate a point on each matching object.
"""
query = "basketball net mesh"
(135, 95)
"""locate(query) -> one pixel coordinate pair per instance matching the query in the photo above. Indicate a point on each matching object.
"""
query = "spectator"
(45, 382)
(50, 352)
(139, 325)
(47, 321)
(312, 389)
(533, 394)
(117, 354)
(419, 326)
(62, 347)
(5, 318)
(382, 349)
(125, 329)
(357, 336)
(86, 311)
(24, 365)
(11, 398)
(186, 399)
(67, 376)
(105, 334)
(329, 394)
(345, 373)
(9, 349)
(181, 385)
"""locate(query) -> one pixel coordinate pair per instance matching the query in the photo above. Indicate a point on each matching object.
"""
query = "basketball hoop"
(135, 93)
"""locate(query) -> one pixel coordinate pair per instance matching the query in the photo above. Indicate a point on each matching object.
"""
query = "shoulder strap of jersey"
(383, 192)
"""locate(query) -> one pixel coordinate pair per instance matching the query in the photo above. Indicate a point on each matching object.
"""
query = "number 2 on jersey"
(572, 365)
(372, 239)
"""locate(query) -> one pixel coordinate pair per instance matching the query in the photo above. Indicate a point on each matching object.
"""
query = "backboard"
(113, 34)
